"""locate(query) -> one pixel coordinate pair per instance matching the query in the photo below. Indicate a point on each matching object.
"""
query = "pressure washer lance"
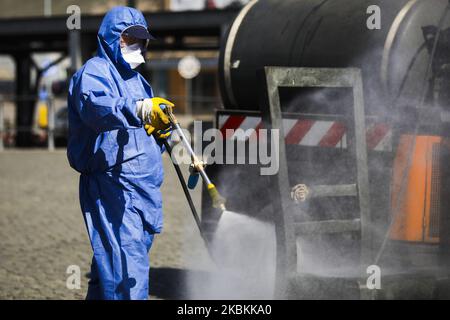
(218, 201)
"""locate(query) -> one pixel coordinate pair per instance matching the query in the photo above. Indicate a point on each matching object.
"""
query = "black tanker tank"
(399, 77)
(334, 34)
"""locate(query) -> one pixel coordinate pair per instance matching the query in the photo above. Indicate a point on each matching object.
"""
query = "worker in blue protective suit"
(116, 133)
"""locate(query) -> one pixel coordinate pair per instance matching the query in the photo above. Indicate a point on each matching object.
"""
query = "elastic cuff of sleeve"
(139, 109)
(148, 102)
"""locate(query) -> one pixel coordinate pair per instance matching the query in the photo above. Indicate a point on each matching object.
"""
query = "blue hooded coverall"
(121, 167)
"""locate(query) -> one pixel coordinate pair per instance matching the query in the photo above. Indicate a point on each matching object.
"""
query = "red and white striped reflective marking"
(379, 137)
(312, 133)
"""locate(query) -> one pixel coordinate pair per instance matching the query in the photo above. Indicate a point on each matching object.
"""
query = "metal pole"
(2, 124)
(191, 152)
(51, 125)
(24, 99)
(75, 50)
(286, 242)
(188, 96)
(190, 202)
(47, 8)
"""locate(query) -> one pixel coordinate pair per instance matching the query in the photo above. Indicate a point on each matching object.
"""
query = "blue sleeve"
(101, 109)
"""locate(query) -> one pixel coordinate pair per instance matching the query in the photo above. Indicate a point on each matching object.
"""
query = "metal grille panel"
(435, 191)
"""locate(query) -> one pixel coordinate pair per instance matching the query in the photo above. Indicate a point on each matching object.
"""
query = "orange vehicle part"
(416, 205)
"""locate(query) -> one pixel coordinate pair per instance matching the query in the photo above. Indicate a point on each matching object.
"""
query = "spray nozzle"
(217, 200)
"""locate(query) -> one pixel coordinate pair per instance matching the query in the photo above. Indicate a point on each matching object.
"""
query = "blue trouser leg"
(121, 238)
(94, 290)
(119, 270)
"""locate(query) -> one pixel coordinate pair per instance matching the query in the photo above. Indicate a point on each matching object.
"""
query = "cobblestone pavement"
(42, 231)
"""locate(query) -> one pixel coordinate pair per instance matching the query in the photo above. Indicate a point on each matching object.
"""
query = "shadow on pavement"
(171, 283)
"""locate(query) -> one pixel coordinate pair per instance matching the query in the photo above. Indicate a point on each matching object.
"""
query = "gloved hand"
(150, 111)
(160, 134)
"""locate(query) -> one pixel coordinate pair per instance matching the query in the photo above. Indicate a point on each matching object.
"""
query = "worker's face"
(127, 41)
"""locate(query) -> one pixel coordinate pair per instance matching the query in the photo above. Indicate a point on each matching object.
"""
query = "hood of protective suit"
(114, 23)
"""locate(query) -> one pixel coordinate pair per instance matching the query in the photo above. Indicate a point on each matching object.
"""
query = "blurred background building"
(38, 54)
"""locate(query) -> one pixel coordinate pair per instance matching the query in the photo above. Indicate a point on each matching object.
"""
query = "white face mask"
(133, 55)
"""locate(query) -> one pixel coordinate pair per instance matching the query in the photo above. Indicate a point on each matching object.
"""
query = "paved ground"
(42, 231)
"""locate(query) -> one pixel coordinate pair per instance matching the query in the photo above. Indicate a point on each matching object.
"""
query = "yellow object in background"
(417, 204)
(43, 116)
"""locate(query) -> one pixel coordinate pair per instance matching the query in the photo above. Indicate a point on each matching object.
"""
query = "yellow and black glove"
(150, 111)
(160, 134)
